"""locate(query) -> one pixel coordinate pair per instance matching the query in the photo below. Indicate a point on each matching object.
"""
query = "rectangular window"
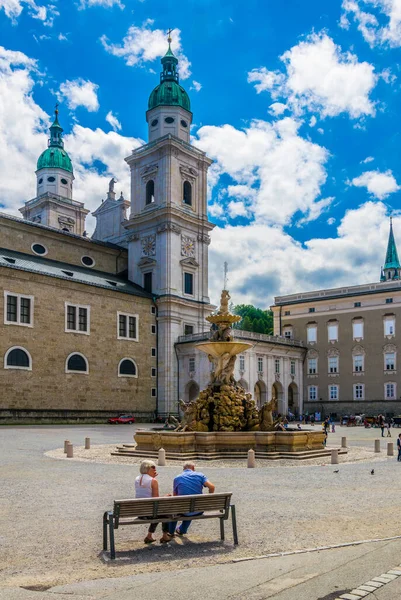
(153, 310)
(389, 300)
(311, 310)
(153, 329)
(332, 331)
(277, 365)
(191, 364)
(358, 391)
(153, 371)
(389, 361)
(389, 325)
(153, 392)
(188, 284)
(147, 282)
(312, 333)
(260, 365)
(242, 363)
(18, 309)
(357, 330)
(288, 333)
(333, 392)
(312, 392)
(153, 351)
(312, 366)
(358, 363)
(333, 364)
(127, 326)
(188, 329)
(287, 313)
(77, 318)
(390, 391)
(357, 304)
(292, 367)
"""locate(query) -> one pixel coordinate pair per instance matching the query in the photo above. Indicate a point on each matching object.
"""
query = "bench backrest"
(171, 505)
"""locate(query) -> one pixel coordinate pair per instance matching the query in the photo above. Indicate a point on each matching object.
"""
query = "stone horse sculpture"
(266, 420)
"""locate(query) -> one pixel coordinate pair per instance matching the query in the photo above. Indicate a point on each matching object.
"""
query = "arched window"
(76, 363)
(18, 358)
(187, 193)
(150, 192)
(127, 368)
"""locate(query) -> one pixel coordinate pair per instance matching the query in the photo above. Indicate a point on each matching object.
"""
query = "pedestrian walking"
(381, 424)
(399, 447)
(388, 429)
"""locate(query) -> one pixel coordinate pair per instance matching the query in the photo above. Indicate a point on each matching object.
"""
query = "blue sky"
(298, 103)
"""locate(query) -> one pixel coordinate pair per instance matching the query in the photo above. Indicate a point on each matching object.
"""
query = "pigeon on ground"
(372, 472)
(336, 471)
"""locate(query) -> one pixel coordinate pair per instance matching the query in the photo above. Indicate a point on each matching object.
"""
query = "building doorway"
(277, 393)
(293, 399)
(260, 393)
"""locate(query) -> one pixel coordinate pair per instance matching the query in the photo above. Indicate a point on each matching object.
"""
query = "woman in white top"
(146, 486)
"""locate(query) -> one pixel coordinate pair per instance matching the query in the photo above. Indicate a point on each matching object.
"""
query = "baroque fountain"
(224, 420)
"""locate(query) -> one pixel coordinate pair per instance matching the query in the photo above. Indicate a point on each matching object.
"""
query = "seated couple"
(187, 483)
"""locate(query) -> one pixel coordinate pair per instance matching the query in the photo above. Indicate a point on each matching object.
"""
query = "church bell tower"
(168, 225)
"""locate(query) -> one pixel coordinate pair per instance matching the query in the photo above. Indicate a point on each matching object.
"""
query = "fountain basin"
(216, 349)
(226, 444)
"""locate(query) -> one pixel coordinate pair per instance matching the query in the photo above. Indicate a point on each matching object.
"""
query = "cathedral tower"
(53, 205)
(168, 225)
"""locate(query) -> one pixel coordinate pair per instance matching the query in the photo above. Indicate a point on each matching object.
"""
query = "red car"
(122, 419)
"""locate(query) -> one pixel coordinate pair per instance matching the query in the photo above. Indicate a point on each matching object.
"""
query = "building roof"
(60, 231)
(55, 157)
(169, 92)
(61, 270)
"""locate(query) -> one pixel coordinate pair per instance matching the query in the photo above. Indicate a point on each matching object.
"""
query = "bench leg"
(222, 529)
(234, 522)
(111, 533)
(105, 531)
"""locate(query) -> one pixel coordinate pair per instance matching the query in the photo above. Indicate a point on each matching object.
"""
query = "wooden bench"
(132, 512)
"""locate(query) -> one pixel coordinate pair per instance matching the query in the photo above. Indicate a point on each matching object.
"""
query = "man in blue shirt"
(187, 483)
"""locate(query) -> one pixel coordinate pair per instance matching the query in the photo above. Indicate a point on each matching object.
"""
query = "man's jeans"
(183, 527)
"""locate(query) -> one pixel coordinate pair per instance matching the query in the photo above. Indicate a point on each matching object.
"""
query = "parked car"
(122, 419)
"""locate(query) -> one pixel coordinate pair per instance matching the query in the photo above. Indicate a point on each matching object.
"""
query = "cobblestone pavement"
(51, 509)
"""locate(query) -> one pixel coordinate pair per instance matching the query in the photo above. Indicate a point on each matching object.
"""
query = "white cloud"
(378, 184)
(368, 159)
(277, 108)
(268, 255)
(331, 221)
(237, 209)
(144, 44)
(196, 86)
(379, 21)
(14, 8)
(62, 37)
(279, 171)
(80, 93)
(113, 121)
(320, 78)
(312, 121)
(104, 3)
(316, 210)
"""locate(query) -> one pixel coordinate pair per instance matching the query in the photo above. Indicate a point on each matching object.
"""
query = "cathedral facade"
(94, 326)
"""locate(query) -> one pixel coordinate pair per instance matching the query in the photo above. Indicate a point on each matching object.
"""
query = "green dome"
(169, 93)
(54, 158)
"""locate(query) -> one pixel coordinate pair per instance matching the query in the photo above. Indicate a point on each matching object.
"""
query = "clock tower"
(168, 229)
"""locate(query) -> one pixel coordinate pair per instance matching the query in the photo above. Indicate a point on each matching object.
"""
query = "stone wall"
(370, 409)
(47, 385)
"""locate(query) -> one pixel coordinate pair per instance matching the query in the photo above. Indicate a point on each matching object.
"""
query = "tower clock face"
(188, 246)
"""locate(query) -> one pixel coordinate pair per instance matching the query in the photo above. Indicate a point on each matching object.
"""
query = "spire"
(392, 267)
(56, 138)
(170, 63)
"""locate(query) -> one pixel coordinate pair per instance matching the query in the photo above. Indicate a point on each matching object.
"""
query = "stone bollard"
(334, 456)
(70, 451)
(161, 457)
(343, 442)
(377, 445)
(390, 449)
(87, 443)
(251, 459)
(66, 442)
